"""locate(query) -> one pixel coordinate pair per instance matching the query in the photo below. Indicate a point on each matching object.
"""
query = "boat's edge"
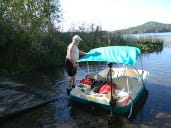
(123, 110)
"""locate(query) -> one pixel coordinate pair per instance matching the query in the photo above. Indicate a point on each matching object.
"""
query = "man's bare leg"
(71, 81)
(71, 78)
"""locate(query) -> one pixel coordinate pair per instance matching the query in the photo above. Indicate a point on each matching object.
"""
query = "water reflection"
(152, 111)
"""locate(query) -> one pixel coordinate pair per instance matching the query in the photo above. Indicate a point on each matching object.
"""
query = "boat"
(114, 88)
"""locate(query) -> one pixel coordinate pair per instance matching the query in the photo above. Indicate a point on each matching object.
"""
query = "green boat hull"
(123, 110)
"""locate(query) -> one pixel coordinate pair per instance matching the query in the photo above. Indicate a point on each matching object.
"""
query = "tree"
(31, 14)
(26, 27)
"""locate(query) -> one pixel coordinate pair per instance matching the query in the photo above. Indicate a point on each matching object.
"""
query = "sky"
(114, 15)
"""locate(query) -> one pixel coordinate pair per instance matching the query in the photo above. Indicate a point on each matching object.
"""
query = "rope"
(130, 112)
(128, 86)
(140, 75)
(88, 68)
(141, 61)
(142, 69)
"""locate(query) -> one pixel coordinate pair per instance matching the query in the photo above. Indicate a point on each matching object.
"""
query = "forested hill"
(149, 27)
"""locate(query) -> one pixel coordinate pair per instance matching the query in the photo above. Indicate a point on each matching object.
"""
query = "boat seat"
(128, 84)
(104, 73)
(131, 73)
(96, 77)
(115, 73)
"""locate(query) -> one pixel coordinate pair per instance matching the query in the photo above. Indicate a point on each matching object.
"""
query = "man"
(72, 56)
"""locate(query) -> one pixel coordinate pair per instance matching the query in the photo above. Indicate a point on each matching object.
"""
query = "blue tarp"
(116, 54)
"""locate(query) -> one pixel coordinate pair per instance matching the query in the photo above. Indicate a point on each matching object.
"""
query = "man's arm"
(82, 52)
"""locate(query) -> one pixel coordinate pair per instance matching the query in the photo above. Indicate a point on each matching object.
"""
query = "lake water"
(153, 111)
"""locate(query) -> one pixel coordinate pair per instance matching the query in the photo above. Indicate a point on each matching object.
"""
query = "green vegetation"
(147, 45)
(149, 27)
(30, 39)
(150, 45)
(28, 34)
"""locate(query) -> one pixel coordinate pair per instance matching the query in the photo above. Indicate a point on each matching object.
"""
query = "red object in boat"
(86, 81)
(104, 89)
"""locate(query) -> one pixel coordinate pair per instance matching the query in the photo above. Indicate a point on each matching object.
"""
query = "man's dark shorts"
(70, 69)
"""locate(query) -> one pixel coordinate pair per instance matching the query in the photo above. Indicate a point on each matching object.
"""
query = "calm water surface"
(153, 111)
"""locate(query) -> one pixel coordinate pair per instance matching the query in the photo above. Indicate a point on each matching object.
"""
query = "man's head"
(76, 38)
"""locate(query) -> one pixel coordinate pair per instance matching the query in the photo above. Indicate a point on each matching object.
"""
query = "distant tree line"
(149, 27)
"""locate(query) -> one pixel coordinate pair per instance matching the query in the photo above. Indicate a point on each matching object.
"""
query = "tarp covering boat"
(116, 54)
